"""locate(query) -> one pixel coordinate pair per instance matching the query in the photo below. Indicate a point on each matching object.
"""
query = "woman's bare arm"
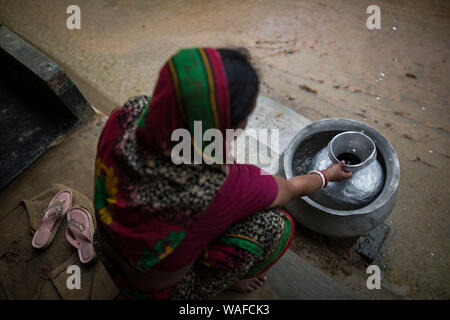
(304, 185)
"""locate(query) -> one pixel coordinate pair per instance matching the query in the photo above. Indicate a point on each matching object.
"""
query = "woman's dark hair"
(243, 83)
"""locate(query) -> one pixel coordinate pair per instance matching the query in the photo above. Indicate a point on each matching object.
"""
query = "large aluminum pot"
(343, 223)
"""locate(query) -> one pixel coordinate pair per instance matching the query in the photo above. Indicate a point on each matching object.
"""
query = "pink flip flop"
(80, 232)
(51, 219)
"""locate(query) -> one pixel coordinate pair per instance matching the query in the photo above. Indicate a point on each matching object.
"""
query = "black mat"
(31, 118)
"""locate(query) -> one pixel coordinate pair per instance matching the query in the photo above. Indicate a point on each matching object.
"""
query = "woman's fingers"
(347, 174)
(344, 173)
(336, 172)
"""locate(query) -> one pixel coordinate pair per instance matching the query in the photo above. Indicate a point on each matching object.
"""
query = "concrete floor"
(318, 58)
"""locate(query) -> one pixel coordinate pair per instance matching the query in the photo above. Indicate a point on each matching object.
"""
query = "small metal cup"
(356, 143)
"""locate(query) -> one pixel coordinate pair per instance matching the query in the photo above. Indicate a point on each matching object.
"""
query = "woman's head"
(243, 84)
(199, 89)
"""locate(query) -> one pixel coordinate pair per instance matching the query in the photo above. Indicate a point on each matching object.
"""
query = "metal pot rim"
(353, 167)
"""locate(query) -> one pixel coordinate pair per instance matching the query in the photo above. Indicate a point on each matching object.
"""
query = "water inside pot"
(349, 158)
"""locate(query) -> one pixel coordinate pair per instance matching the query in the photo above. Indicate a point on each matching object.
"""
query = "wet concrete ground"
(318, 58)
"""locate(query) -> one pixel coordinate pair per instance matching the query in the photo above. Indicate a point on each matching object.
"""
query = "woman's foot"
(249, 285)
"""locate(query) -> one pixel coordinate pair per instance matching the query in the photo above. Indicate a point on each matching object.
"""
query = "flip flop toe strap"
(54, 210)
(79, 231)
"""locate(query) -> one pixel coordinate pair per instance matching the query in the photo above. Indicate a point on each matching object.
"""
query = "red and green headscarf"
(192, 86)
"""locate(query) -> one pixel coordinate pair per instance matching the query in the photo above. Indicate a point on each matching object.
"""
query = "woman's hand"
(335, 172)
(306, 184)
